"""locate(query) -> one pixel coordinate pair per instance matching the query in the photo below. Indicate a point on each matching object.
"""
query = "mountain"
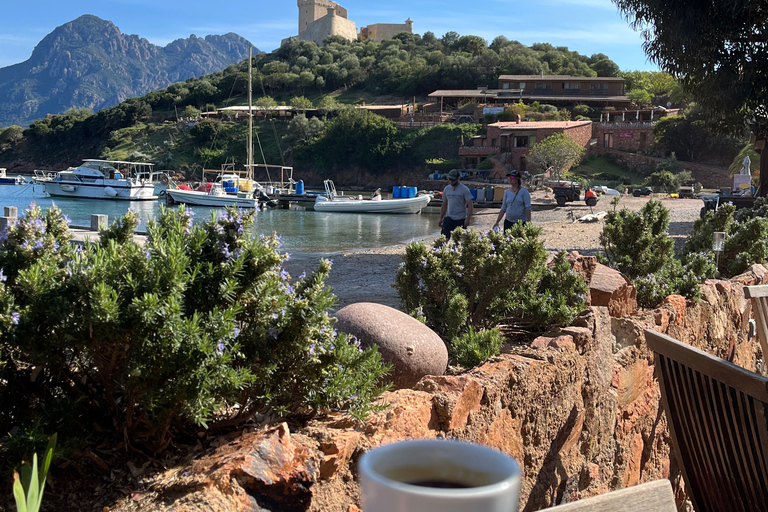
(89, 63)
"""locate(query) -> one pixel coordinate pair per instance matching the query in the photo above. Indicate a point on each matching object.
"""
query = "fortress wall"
(381, 31)
(329, 26)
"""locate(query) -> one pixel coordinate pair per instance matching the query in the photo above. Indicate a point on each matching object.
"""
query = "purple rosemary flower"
(220, 346)
(15, 318)
(3, 277)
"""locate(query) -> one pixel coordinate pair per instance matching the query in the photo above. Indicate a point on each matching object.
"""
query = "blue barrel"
(473, 191)
(395, 192)
(412, 191)
(300, 188)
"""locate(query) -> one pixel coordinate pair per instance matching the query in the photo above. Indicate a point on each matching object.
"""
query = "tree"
(265, 101)
(718, 52)
(301, 103)
(190, 112)
(639, 97)
(557, 151)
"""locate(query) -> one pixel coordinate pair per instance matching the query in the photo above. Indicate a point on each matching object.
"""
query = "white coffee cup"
(418, 476)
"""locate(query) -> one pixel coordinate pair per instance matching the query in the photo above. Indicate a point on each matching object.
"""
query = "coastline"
(368, 275)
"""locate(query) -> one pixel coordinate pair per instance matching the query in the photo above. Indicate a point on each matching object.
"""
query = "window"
(544, 85)
(521, 85)
(493, 142)
(505, 86)
(520, 142)
(599, 87)
(572, 85)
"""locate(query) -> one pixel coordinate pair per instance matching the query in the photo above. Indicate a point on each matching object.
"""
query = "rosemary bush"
(746, 236)
(638, 245)
(478, 280)
(200, 325)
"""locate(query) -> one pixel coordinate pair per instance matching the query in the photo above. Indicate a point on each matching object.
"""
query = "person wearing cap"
(456, 210)
(516, 203)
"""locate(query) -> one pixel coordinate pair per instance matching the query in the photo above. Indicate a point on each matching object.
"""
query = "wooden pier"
(80, 234)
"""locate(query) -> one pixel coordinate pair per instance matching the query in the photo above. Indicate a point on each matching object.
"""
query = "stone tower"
(311, 10)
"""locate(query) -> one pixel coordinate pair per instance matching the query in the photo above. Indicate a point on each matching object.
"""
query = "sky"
(585, 26)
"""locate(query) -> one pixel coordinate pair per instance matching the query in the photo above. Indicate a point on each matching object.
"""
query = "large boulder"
(412, 348)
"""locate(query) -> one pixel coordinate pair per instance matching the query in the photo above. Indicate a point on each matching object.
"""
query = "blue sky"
(585, 26)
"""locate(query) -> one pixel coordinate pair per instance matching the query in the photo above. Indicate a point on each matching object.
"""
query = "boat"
(229, 188)
(11, 180)
(333, 202)
(215, 197)
(105, 179)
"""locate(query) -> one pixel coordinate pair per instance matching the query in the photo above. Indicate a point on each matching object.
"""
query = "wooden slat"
(760, 308)
(654, 496)
(727, 373)
(754, 292)
(716, 412)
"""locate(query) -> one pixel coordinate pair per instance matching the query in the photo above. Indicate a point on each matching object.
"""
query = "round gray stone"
(412, 348)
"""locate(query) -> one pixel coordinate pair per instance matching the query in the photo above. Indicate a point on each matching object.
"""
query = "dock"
(80, 234)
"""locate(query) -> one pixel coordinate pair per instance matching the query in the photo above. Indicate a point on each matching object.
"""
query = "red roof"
(540, 125)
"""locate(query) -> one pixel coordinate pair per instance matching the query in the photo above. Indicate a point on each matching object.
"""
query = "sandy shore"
(369, 275)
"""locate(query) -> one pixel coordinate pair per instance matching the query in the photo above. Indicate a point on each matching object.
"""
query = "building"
(319, 19)
(510, 142)
(382, 31)
(558, 90)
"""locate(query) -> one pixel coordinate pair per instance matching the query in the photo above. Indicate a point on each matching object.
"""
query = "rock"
(412, 348)
(455, 398)
(610, 288)
(678, 304)
(337, 453)
(408, 414)
(561, 342)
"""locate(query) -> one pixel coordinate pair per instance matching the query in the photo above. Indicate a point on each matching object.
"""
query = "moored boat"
(105, 179)
(215, 197)
(332, 202)
(10, 180)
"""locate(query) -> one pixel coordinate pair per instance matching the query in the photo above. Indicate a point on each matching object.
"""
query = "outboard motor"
(267, 202)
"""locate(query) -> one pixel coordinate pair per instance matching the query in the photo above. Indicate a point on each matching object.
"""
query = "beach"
(369, 275)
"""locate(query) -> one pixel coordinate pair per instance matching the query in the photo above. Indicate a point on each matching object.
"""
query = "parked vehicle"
(572, 192)
(686, 191)
(644, 191)
(724, 195)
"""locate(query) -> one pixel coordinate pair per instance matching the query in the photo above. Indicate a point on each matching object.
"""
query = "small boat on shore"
(332, 202)
(105, 179)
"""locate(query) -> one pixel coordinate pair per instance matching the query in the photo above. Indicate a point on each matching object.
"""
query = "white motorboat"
(216, 197)
(105, 179)
(332, 202)
(11, 180)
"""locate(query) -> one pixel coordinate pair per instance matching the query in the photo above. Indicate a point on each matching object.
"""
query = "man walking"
(456, 210)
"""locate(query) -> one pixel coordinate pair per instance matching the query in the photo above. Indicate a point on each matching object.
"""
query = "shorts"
(508, 223)
(449, 225)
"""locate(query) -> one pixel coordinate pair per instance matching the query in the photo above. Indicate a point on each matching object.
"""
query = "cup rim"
(500, 460)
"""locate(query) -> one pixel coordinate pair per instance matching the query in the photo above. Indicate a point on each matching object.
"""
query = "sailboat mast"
(250, 114)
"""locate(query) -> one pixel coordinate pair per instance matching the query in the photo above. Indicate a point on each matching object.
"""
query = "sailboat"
(226, 191)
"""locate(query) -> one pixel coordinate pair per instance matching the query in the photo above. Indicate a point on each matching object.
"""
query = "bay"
(301, 231)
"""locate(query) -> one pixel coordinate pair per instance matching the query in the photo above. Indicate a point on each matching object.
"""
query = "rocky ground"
(369, 275)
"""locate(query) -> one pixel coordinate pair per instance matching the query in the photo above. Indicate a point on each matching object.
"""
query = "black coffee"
(440, 484)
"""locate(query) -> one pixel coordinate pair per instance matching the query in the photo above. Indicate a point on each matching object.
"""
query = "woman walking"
(516, 203)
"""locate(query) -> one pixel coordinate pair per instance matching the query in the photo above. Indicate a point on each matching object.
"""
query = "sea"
(301, 231)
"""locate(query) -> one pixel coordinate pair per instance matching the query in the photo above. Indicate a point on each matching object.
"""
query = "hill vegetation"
(165, 126)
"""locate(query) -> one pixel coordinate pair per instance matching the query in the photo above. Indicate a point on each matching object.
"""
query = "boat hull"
(7, 181)
(403, 206)
(121, 190)
(196, 198)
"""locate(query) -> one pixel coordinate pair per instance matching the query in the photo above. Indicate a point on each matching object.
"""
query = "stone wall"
(578, 408)
(709, 176)
(329, 25)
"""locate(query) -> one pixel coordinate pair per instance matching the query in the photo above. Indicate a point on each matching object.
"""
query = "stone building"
(510, 142)
(319, 19)
(381, 31)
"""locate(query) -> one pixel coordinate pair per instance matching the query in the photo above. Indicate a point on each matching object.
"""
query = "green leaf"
(18, 493)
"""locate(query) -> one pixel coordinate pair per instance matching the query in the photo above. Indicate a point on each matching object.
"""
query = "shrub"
(199, 325)
(545, 107)
(473, 347)
(746, 236)
(637, 244)
(477, 280)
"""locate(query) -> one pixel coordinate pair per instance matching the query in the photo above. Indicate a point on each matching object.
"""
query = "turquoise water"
(301, 231)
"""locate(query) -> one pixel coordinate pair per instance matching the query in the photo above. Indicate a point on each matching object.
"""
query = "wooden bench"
(651, 497)
(716, 412)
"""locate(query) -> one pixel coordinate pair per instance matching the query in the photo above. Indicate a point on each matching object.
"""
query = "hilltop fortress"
(319, 19)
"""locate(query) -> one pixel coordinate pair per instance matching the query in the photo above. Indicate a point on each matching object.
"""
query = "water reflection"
(301, 231)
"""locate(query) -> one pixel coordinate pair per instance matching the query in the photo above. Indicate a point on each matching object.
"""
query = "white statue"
(745, 166)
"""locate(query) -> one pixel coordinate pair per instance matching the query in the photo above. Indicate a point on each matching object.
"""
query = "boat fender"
(111, 192)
